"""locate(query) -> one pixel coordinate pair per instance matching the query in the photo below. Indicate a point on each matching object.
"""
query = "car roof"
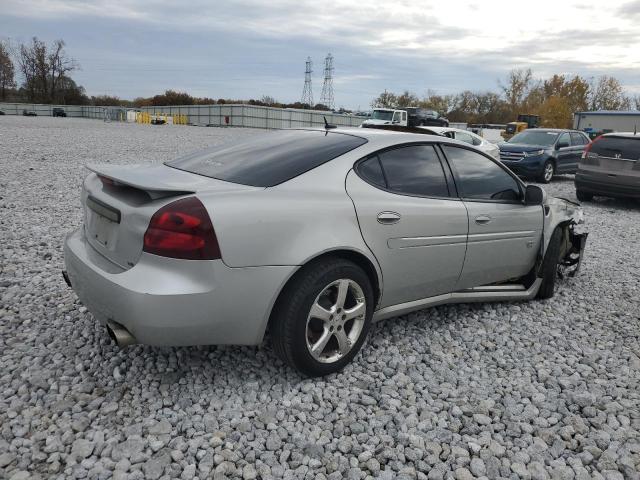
(623, 134)
(383, 138)
(559, 130)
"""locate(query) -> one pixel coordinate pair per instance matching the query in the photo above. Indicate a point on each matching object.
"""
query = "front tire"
(323, 317)
(548, 171)
(549, 269)
(584, 196)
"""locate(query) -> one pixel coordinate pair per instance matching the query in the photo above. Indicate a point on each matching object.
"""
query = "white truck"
(387, 116)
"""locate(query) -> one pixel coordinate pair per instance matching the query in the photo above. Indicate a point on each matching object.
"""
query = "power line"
(326, 98)
(307, 93)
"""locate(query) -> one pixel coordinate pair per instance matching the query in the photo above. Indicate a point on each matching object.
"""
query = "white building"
(604, 121)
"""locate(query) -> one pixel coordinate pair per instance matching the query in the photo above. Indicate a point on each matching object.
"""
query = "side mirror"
(560, 145)
(533, 195)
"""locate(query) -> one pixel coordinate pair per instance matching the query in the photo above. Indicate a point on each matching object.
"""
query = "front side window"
(479, 177)
(414, 170)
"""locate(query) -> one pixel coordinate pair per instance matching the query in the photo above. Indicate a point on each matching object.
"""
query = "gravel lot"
(526, 390)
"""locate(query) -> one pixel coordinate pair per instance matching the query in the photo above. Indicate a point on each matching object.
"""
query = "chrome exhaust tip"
(120, 335)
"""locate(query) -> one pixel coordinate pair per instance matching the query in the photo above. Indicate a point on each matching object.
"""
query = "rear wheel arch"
(354, 256)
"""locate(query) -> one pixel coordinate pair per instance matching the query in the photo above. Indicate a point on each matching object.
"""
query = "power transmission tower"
(327, 87)
(307, 93)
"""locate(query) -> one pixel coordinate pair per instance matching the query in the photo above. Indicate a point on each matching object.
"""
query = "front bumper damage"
(568, 215)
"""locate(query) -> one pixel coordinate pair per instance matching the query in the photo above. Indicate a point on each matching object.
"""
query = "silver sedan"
(312, 234)
(467, 137)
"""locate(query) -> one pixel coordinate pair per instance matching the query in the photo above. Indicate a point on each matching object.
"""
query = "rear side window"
(578, 139)
(269, 159)
(371, 171)
(480, 178)
(617, 147)
(414, 170)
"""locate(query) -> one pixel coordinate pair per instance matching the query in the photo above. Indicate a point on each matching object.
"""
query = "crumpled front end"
(568, 215)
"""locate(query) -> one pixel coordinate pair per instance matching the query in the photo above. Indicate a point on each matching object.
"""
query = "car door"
(412, 221)
(578, 144)
(564, 153)
(504, 234)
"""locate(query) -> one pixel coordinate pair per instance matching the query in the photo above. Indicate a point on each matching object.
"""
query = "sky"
(250, 48)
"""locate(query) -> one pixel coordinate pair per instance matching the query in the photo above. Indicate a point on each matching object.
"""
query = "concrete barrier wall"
(211, 115)
(254, 116)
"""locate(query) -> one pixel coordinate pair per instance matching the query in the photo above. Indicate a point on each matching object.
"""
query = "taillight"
(182, 229)
(586, 151)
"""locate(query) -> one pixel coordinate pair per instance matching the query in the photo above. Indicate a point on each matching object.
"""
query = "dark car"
(610, 166)
(541, 153)
(2, 112)
(29, 113)
(58, 112)
(421, 116)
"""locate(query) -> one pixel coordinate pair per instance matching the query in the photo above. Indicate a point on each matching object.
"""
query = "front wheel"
(584, 196)
(549, 268)
(548, 171)
(323, 317)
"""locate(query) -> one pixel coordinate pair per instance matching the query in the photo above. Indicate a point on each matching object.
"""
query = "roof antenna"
(327, 125)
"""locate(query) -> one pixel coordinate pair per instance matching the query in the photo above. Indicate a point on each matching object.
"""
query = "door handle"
(483, 219)
(388, 218)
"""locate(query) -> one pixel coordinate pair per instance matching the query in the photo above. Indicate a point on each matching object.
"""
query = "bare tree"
(7, 71)
(607, 94)
(519, 82)
(44, 69)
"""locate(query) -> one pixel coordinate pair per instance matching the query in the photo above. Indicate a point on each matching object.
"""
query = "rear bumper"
(165, 301)
(605, 185)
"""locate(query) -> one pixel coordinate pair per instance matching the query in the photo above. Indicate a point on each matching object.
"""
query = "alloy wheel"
(548, 172)
(336, 320)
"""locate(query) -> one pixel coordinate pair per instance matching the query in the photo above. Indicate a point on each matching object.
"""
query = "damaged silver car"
(312, 234)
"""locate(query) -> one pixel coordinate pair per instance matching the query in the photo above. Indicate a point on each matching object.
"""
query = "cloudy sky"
(250, 48)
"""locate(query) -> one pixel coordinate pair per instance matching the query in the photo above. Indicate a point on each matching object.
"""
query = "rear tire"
(316, 332)
(584, 196)
(548, 171)
(550, 265)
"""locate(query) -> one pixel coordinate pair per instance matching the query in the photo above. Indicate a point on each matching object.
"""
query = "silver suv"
(610, 166)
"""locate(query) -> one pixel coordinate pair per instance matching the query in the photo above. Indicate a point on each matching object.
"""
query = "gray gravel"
(528, 390)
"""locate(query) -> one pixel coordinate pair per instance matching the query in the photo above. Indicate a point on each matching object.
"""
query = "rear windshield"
(269, 159)
(618, 147)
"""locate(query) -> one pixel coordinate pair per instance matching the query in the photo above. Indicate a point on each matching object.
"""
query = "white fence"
(78, 111)
(254, 116)
(211, 115)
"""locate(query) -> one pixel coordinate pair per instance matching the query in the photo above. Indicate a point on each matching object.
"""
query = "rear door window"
(578, 139)
(269, 159)
(412, 170)
(479, 178)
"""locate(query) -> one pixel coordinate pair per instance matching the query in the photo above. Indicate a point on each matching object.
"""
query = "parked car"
(419, 117)
(386, 116)
(610, 166)
(58, 112)
(314, 234)
(467, 137)
(541, 153)
(29, 113)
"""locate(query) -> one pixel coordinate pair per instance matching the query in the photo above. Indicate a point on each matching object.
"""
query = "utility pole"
(327, 87)
(307, 93)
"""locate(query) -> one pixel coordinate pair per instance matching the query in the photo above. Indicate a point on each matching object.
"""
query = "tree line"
(45, 73)
(555, 99)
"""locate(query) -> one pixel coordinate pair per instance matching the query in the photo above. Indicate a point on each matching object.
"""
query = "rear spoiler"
(150, 178)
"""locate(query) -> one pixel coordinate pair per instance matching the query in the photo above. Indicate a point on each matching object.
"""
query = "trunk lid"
(119, 201)
(615, 157)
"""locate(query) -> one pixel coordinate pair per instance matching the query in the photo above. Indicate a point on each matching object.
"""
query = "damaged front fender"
(565, 214)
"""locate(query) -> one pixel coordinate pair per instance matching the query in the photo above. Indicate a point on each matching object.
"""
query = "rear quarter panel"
(290, 223)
